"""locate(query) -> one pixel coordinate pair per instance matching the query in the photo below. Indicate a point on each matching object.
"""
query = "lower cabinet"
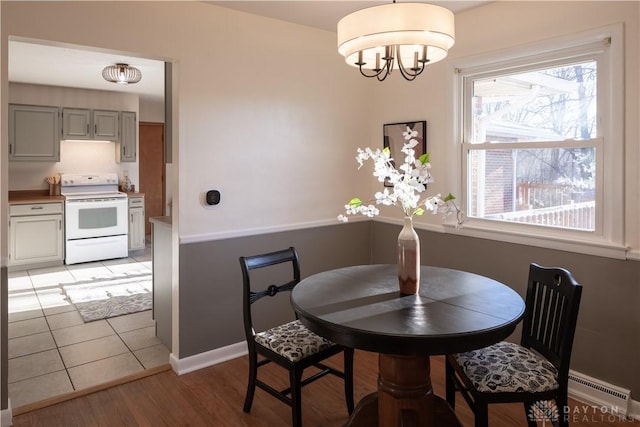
(136, 223)
(36, 234)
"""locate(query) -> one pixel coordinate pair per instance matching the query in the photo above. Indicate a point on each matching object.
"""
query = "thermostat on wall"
(213, 197)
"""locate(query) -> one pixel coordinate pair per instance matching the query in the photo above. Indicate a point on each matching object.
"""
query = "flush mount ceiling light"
(123, 74)
(406, 35)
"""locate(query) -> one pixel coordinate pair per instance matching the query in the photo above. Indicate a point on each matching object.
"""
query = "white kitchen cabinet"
(106, 125)
(136, 223)
(34, 133)
(84, 124)
(36, 235)
(127, 149)
(76, 123)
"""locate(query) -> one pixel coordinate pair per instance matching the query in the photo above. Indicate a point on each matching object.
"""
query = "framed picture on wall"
(394, 139)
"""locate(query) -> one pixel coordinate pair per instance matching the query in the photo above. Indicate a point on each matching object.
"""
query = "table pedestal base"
(405, 397)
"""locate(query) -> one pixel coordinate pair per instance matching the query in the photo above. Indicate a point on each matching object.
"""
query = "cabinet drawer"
(136, 201)
(35, 209)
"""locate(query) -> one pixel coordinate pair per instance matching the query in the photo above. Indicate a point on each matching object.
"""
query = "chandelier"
(404, 35)
(123, 74)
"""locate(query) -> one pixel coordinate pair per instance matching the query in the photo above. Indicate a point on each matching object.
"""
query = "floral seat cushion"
(292, 340)
(507, 367)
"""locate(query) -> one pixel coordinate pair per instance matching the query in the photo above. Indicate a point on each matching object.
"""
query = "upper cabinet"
(106, 125)
(126, 152)
(76, 123)
(90, 124)
(34, 133)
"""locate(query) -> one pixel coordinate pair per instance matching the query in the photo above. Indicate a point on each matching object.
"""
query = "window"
(539, 152)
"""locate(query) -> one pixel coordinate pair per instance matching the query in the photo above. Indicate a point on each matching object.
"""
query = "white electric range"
(96, 226)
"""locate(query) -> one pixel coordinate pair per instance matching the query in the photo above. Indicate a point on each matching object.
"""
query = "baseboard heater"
(595, 392)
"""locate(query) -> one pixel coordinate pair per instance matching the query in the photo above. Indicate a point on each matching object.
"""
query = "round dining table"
(361, 307)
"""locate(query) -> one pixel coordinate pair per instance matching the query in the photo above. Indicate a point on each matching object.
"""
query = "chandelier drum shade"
(123, 74)
(406, 35)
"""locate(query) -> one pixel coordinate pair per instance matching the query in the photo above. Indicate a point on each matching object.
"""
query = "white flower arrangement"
(409, 181)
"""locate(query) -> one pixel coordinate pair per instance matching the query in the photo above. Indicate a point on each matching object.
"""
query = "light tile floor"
(52, 351)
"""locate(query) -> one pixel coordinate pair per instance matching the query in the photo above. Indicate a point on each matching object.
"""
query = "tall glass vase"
(408, 259)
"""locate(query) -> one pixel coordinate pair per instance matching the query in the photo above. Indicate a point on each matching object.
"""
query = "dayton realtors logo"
(547, 412)
(544, 411)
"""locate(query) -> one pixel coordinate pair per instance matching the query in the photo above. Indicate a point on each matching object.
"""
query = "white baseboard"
(597, 393)
(634, 410)
(6, 416)
(209, 358)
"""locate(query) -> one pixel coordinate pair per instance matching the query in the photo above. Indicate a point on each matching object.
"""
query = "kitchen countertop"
(161, 220)
(21, 197)
(32, 196)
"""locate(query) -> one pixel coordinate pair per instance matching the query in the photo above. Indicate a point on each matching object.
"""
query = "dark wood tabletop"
(361, 307)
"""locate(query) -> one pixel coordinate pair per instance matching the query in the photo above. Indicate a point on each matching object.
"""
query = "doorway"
(52, 351)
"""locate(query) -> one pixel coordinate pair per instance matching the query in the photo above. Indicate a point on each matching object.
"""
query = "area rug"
(104, 297)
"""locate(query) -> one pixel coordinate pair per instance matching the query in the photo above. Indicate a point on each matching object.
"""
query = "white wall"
(151, 110)
(267, 112)
(75, 156)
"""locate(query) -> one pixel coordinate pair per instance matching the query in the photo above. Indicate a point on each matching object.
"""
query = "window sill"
(592, 246)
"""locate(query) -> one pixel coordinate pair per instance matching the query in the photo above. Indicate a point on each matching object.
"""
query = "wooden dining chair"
(534, 372)
(292, 345)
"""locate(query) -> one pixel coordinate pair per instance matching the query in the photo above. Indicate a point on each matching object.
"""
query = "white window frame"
(606, 46)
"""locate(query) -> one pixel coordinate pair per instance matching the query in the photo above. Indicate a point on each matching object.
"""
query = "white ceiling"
(323, 14)
(81, 67)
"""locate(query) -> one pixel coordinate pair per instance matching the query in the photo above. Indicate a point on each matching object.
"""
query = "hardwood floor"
(214, 396)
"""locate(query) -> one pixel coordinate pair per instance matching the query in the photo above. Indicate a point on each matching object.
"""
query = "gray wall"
(607, 341)
(211, 279)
